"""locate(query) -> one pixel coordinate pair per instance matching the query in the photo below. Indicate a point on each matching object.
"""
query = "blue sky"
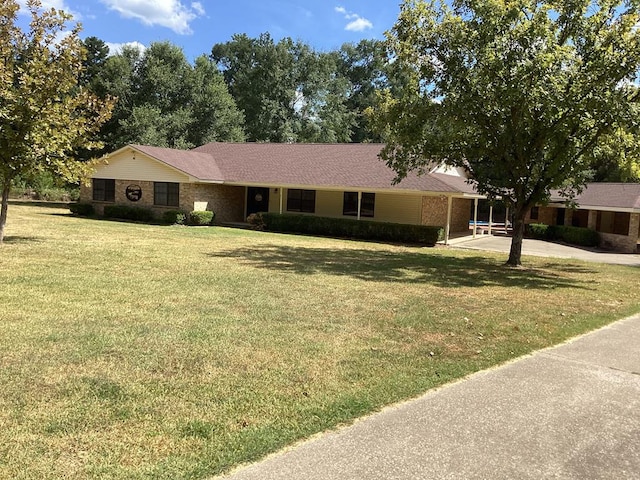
(197, 25)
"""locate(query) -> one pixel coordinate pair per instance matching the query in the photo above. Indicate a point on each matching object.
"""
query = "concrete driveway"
(540, 248)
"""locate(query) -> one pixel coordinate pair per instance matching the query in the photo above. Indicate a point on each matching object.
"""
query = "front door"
(257, 200)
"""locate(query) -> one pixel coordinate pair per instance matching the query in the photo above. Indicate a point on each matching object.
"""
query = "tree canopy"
(520, 92)
(45, 116)
(163, 100)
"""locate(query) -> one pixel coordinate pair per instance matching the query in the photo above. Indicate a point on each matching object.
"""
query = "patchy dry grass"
(137, 351)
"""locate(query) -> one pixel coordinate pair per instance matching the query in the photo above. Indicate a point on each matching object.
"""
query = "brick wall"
(623, 243)
(226, 201)
(546, 215)
(434, 213)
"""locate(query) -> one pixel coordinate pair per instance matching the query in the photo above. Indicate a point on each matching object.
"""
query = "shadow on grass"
(19, 239)
(38, 203)
(403, 267)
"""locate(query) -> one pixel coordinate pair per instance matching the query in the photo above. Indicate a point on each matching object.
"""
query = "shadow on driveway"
(541, 248)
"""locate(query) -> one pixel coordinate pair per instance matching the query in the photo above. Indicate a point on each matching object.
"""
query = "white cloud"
(166, 13)
(116, 48)
(198, 8)
(357, 23)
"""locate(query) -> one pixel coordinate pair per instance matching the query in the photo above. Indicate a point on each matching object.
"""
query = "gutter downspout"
(359, 203)
(280, 200)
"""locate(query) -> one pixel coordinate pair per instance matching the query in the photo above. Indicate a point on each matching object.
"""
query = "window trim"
(172, 194)
(107, 190)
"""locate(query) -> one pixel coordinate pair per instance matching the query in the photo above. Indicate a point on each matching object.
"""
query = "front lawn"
(136, 351)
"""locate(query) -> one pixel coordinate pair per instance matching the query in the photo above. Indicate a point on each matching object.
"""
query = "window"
(350, 204)
(301, 200)
(534, 213)
(166, 194)
(104, 189)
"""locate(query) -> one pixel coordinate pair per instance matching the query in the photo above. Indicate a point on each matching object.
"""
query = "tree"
(165, 101)
(263, 78)
(97, 52)
(363, 65)
(519, 92)
(45, 116)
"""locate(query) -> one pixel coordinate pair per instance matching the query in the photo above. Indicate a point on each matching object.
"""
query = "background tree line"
(259, 90)
(248, 89)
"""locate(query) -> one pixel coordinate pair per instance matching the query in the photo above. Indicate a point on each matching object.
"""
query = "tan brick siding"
(434, 213)
(546, 215)
(623, 243)
(226, 201)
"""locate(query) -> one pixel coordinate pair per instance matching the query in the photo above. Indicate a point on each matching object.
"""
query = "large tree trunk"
(515, 253)
(6, 187)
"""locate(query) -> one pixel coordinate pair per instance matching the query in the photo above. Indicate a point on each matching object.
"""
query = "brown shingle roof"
(607, 195)
(319, 165)
(196, 164)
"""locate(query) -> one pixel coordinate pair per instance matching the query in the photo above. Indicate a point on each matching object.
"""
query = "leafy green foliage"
(45, 116)
(574, 235)
(174, 217)
(82, 209)
(290, 93)
(165, 101)
(126, 212)
(346, 227)
(519, 92)
(537, 230)
(585, 237)
(204, 217)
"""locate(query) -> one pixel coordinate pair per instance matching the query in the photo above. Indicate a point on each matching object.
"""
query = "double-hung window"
(104, 189)
(301, 200)
(350, 204)
(166, 194)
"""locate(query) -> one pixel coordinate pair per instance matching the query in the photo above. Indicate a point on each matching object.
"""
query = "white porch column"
(447, 229)
(359, 203)
(506, 220)
(475, 216)
(490, 217)
(280, 189)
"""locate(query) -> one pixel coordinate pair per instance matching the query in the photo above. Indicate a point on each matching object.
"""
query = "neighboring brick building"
(237, 179)
(611, 209)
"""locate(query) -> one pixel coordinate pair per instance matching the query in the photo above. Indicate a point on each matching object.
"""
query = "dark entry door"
(257, 200)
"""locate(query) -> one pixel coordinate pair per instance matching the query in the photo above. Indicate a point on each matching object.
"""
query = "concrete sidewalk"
(502, 243)
(567, 412)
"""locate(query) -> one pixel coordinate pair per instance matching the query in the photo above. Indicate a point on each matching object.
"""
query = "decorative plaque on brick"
(134, 192)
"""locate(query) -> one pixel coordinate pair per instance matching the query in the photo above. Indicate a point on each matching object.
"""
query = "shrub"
(82, 209)
(126, 212)
(174, 217)
(203, 217)
(575, 235)
(346, 227)
(537, 230)
(585, 237)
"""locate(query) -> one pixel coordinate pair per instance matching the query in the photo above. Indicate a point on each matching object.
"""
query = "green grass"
(138, 351)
